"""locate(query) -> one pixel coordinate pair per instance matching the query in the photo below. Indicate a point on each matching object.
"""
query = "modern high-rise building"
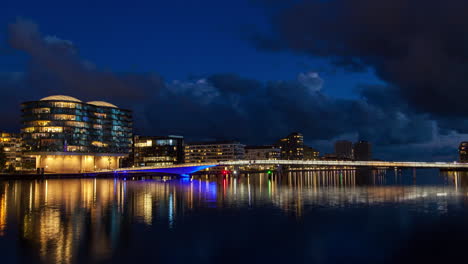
(311, 153)
(344, 149)
(66, 135)
(292, 147)
(214, 151)
(157, 151)
(262, 153)
(362, 150)
(463, 152)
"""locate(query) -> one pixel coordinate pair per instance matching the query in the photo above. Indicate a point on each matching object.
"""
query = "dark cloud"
(229, 106)
(219, 106)
(55, 67)
(420, 47)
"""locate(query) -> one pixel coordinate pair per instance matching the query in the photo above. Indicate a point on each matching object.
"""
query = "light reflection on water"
(91, 220)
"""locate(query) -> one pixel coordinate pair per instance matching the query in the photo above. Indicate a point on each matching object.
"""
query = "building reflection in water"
(58, 218)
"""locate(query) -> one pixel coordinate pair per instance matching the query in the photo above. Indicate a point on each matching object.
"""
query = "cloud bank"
(226, 105)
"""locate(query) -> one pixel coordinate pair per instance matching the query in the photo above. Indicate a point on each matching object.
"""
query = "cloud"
(311, 80)
(55, 67)
(217, 106)
(418, 47)
(229, 106)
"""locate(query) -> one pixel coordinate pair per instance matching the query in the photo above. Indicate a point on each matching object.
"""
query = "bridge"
(194, 167)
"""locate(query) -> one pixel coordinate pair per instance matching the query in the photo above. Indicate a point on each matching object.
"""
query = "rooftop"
(73, 99)
(60, 98)
(102, 103)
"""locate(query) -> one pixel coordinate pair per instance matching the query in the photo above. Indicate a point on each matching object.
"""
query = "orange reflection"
(58, 217)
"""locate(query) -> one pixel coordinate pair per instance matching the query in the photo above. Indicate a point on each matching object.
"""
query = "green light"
(269, 172)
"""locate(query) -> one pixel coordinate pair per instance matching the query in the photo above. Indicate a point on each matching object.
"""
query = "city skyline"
(246, 131)
(185, 83)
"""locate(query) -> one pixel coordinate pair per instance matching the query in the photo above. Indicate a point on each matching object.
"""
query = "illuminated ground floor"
(66, 162)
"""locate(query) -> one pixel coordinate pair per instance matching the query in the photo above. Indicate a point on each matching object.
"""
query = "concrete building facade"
(201, 152)
(262, 153)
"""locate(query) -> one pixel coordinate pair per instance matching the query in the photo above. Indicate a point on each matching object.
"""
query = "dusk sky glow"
(252, 70)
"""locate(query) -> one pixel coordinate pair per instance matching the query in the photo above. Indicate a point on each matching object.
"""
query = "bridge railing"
(164, 167)
(413, 164)
(337, 163)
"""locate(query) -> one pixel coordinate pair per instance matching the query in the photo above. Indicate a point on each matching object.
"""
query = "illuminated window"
(99, 144)
(42, 123)
(64, 105)
(51, 129)
(75, 124)
(64, 117)
(39, 135)
(41, 110)
(100, 115)
(72, 148)
(148, 143)
(28, 129)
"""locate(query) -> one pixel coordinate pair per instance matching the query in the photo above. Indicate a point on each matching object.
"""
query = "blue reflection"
(179, 170)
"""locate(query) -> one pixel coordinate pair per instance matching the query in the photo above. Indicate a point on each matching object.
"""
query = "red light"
(225, 172)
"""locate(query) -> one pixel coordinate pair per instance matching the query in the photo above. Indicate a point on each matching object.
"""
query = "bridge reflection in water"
(91, 219)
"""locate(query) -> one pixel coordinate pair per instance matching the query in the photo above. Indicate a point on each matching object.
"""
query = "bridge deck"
(193, 167)
(398, 164)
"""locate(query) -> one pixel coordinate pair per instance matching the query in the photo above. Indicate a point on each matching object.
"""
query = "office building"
(157, 151)
(344, 149)
(311, 153)
(463, 152)
(66, 135)
(215, 151)
(262, 153)
(292, 147)
(362, 150)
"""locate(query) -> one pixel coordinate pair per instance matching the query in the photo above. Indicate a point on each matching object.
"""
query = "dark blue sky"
(178, 39)
(392, 72)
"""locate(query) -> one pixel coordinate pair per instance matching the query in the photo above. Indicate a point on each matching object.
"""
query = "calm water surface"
(299, 217)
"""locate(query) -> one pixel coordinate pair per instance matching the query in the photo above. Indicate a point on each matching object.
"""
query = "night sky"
(393, 72)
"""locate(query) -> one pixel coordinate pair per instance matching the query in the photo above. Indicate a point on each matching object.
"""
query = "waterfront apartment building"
(214, 151)
(11, 144)
(311, 153)
(12, 147)
(463, 152)
(292, 147)
(362, 150)
(66, 135)
(157, 150)
(344, 149)
(262, 153)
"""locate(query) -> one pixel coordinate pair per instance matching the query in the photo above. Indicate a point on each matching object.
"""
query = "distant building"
(292, 147)
(12, 146)
(330, 156)
(362, 150)
(463, 152)
(311, 153)
(157, 151)
(262, 153)
(344, 149)
(214, 151)
(66, 135)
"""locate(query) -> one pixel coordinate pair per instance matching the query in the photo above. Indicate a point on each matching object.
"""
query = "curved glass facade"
(75, 126)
